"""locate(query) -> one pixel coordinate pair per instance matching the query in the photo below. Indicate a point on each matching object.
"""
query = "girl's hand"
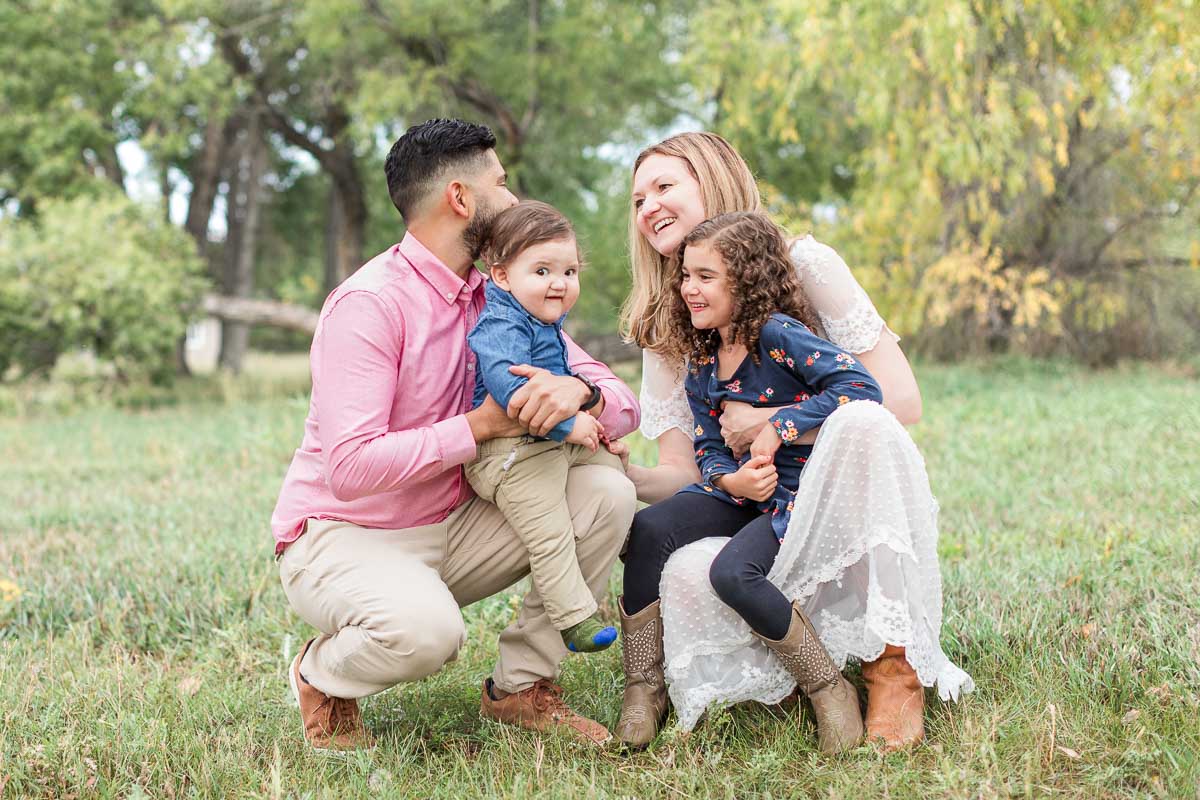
(755, 480)
(741, 423)
(587, 431)
(621, 450)
(766, 444)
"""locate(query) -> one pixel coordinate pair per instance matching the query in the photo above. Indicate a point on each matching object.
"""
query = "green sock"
(589, 636)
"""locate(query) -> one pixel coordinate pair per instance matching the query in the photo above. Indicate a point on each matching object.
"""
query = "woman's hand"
(546, 399)
(741, 423)
(765, 444)
(755, 480)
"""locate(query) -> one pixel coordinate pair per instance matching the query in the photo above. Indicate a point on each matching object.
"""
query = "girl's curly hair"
(762, 281)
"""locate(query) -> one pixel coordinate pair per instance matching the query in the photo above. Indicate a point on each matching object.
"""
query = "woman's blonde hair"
(726, 184)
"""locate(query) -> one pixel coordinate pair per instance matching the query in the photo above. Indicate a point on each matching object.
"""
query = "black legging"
(738, 573)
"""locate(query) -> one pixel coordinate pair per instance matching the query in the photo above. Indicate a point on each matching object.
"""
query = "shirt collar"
(495, 294)
(447, 284)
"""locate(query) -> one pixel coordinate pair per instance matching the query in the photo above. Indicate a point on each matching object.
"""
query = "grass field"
(144, 636)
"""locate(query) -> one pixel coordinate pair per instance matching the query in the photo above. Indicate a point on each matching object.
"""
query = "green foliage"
(1010, 170)
(99, 273)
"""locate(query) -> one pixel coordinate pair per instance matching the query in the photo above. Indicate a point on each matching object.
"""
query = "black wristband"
(595, 398)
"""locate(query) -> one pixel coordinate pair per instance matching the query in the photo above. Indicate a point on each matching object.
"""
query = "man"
(379, 539)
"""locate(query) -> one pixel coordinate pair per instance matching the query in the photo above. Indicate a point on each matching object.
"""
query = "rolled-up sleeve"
(621, 414)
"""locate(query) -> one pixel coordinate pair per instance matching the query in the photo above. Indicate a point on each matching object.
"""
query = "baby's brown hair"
(520, 227)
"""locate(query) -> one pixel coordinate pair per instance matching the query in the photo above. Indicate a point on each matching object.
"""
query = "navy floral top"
(801, 374)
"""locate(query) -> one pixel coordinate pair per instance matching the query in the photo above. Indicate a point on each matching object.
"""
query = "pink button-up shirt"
(392, 379)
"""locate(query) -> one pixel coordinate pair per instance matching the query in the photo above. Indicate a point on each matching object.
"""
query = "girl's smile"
(705, 289)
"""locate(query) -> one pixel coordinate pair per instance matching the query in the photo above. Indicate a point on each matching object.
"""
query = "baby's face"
(544, 278)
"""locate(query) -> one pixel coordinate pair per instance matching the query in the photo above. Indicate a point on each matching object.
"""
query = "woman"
(868, 579)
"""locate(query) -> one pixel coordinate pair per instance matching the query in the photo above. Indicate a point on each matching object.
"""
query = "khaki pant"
(387, 601)
(526, 479)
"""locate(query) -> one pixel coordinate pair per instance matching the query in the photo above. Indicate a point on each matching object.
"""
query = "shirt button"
(449, 295)
(471, 365)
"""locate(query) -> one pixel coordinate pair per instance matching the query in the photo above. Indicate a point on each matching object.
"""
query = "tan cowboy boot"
(834, 700)
(895, 700)
(644, 706)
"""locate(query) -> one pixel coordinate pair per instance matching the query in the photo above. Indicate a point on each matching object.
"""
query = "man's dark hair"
(421, 156)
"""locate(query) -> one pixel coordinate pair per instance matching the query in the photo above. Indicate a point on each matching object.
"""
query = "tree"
(1013, 168)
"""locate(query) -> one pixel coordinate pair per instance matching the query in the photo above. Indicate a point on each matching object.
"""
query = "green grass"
(145, 655)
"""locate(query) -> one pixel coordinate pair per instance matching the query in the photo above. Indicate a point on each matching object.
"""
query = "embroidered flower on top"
(735, 386)
(812, 358)
(778, 354)
(844, 360)
(786, 430)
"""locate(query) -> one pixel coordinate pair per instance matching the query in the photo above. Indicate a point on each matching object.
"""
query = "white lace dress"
(861, 547)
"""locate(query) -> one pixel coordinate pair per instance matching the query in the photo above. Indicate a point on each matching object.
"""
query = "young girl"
(750, 331)
(534, 262)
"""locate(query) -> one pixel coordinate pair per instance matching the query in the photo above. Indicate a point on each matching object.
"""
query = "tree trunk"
(348, 209)
(244, 204)
(205, 177)
(333, 234)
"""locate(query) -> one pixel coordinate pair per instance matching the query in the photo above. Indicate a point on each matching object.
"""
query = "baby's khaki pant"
(527, 480)
(386, 602)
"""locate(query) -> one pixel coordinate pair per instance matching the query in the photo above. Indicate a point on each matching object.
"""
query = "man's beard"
(477, 229)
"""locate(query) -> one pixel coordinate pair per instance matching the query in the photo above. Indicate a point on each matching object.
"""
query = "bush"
(101, 274)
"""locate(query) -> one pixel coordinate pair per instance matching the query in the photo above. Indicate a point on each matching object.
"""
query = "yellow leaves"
(1037, 115)
(960, 51)
(979, 284)
(1194, 254)
(1044, 174)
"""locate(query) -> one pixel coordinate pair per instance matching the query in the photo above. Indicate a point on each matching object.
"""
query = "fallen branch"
(261, 312)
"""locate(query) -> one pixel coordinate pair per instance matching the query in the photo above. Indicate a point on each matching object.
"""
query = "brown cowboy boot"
(895, 700)
(834, 700)
(644, 706)
(331, 724)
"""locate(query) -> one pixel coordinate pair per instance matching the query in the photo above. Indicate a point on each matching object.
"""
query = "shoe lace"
(343, 715)
(547, 696)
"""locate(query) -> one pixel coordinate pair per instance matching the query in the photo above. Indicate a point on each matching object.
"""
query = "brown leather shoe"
(331, 724)
(895, 701)
(834, 699)
(541, 708)
(644, 705)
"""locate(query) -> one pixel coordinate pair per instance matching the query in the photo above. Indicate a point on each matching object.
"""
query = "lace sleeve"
(664, 404)
(850, 319)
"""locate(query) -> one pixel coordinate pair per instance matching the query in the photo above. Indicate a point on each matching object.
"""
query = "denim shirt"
(800, 375)
(507, 334)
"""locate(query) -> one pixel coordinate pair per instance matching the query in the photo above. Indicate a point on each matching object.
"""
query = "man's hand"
(490, 422)
(741, 423)
(766, 443)
(546, 399)
(755, 480)
(587, 431)
(621, 451)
